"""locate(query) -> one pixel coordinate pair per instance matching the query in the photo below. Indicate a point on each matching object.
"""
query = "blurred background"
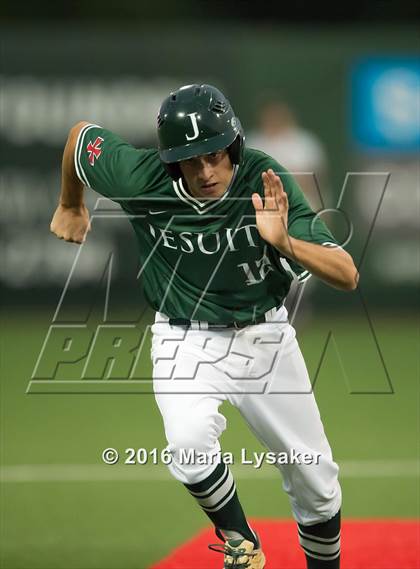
(332, 96)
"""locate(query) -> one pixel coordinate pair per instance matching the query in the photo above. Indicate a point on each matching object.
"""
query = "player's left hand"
(271, 215)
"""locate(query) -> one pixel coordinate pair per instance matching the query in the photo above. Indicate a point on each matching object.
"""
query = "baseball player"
(222, 230)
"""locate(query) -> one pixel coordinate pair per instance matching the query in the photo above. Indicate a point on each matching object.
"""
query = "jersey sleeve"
(113, 167)
(303, 223)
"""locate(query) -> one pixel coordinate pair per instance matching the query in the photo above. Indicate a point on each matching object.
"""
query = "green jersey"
(200, 259)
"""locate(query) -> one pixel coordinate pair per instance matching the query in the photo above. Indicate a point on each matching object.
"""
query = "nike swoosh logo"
(155, 212)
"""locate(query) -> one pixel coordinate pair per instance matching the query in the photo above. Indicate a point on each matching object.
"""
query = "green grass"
(126, 524)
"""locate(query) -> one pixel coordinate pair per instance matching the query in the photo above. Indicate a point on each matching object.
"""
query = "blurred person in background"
(301, 152)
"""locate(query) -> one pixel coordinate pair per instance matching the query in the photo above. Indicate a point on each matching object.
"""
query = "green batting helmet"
(195, 120)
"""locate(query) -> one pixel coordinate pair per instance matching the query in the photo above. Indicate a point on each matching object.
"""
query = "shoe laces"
(235, 554)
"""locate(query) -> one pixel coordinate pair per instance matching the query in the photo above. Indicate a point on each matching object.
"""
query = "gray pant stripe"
(218, 495)
(322, 557)
(225, 501)
(323, 548)
(316, 538)
(209, 490)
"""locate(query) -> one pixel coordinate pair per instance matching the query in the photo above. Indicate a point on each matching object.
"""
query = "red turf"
(366, 544)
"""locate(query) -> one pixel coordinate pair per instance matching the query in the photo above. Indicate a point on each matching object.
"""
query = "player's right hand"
(71, 223)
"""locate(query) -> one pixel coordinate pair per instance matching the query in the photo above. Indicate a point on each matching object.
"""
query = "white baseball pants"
(260, 370)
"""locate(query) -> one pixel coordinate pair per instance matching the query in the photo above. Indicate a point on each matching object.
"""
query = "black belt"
(238, 325)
